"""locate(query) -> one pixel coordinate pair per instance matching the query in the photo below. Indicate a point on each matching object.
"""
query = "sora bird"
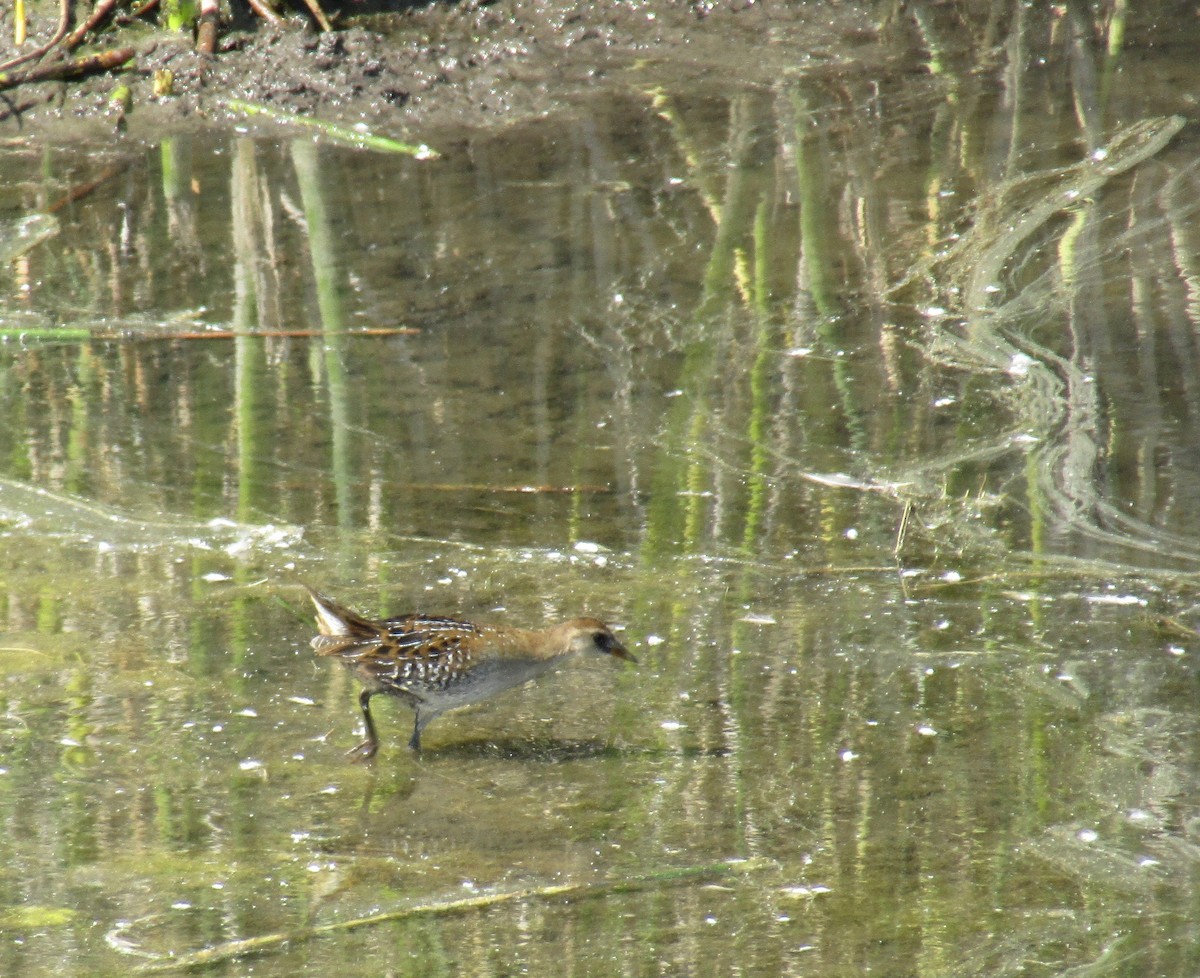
(438, 664)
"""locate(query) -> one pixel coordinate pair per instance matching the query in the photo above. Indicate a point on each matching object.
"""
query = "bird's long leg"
(414, 742)
(366, 750)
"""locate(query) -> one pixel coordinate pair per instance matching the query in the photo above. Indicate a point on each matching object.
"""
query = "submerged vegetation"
(863, 392)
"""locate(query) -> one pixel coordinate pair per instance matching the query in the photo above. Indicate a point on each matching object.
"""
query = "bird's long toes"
(363, 752)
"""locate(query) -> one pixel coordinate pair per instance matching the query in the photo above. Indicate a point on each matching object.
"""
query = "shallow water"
(907, 554)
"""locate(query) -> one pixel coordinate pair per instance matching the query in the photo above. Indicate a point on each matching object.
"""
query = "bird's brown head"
(592, 635)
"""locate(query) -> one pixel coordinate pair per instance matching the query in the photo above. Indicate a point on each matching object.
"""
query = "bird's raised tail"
(342, 630)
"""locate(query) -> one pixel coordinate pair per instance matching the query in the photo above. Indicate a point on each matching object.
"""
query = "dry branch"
(66, 70)
(563, 893)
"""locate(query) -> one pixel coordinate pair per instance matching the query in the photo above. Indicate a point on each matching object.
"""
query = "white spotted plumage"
(437, 664)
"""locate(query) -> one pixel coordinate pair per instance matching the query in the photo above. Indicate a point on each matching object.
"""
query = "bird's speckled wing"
(413, 651)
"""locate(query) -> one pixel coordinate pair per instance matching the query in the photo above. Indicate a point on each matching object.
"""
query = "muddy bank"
(438, 67)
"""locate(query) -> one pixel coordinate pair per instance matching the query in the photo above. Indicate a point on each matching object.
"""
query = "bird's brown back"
(422, 649)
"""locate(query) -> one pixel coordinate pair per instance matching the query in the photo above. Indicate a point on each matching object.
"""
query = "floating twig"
(341, 134)
(77, 334)
(1173, 626)
(520, 489)
(565, 892)
(81, 190)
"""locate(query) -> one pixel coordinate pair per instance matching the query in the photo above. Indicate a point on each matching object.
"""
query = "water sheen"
(866, 406)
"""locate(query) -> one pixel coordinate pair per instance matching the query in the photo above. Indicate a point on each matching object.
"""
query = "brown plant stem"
(65, 70)
(102, 9)
(64, 25)
(560, 893)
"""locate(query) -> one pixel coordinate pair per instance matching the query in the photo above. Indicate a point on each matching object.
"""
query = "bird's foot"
(364, 751)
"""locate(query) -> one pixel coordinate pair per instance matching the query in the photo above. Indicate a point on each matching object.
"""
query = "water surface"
(865, 406)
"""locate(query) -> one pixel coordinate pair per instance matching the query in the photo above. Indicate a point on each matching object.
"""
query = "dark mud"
(430, 69)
